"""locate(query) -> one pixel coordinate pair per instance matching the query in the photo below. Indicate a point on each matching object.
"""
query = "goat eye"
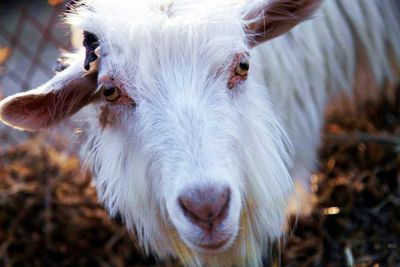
(242, 68)
(111, 93)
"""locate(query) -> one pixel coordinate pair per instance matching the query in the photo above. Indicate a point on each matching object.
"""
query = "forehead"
(163, 28)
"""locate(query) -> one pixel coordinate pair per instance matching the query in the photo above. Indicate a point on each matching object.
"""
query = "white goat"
(193, 150)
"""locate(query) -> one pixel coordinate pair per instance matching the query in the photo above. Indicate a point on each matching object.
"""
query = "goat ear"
(62, 96)
(276, 17)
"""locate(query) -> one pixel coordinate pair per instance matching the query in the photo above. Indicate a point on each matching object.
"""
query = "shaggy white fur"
(186, 129)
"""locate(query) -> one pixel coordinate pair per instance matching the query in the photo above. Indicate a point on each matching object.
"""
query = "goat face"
(177, 131)
(185, 147)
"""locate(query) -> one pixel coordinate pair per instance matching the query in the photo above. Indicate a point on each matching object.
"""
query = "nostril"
(206, 207)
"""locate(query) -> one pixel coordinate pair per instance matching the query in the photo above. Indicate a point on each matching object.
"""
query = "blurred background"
(32, 36)
(49, 214)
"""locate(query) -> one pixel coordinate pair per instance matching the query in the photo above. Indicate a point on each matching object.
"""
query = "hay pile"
(49, 215)
(356, 219)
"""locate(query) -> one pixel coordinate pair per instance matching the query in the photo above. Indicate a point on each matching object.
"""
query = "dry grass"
(356, 219)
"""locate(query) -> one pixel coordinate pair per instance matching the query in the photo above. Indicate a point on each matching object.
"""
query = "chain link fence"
(32, 36)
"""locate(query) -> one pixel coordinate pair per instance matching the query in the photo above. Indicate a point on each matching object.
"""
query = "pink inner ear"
(278, 17)
(33, 111)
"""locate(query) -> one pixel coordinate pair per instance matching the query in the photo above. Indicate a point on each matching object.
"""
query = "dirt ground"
(356, 219)
(49, 214)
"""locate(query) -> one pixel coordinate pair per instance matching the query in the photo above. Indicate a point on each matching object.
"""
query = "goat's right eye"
(111, 94)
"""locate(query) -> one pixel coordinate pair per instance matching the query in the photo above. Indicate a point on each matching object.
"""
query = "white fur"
(189, 130)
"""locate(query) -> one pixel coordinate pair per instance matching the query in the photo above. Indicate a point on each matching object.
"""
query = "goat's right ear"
(62, 96)
(269, 19)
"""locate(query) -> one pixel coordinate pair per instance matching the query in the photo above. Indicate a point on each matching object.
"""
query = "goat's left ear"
(62, 96)
(275, 17)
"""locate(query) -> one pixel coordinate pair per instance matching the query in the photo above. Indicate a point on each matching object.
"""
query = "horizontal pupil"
(108, 92)
(244, 65)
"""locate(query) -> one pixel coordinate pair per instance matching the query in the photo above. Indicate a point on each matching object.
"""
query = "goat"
(205, 112)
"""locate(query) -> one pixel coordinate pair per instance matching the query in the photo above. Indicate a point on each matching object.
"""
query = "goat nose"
(206, 207)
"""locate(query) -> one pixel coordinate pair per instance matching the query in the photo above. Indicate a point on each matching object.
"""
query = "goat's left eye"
(242, 68)
(111, 93)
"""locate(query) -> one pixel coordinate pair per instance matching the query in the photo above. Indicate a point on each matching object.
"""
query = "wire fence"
(31, 37)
